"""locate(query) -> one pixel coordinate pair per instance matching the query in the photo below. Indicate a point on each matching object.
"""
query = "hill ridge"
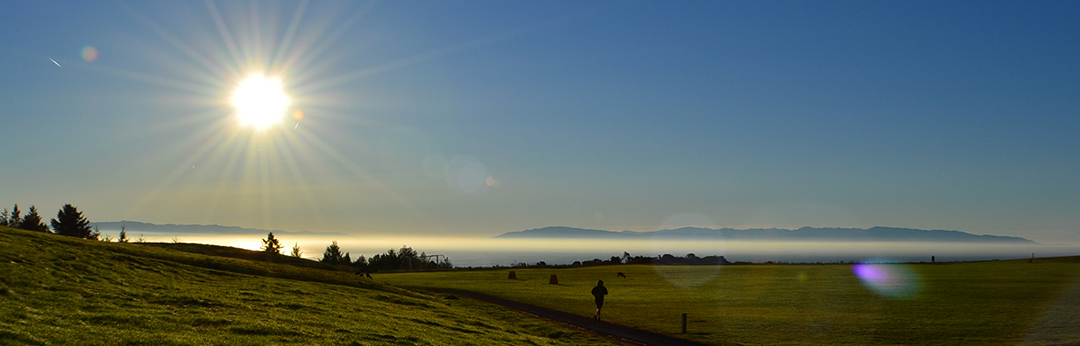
(70, 291)
(876, 233)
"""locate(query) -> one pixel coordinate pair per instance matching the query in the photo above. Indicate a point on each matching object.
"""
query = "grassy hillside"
(982, 303)
(63, 291)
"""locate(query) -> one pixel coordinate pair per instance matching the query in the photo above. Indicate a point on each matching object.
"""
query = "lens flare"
(660, 244)
(466, 175)
(887, 280)
(89, 53)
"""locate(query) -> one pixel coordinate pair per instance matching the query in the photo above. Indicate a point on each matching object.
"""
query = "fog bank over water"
(477, 252)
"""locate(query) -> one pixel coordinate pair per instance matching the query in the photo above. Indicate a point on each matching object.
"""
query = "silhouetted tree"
(714, 259)
(667, 259)
(333, 254)
(69, 221)
(593, 262)
(32, 221)
(387, 261)
(271, 244)
(123, 235)
(14, 219)
(409, 258)
(641, 260)
(296, 252)
(4, 217)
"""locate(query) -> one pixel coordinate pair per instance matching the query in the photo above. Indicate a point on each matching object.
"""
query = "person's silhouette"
(599, 292)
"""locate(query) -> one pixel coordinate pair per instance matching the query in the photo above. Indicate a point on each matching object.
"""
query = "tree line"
(404, 258)
(69, 221)
(626, 258)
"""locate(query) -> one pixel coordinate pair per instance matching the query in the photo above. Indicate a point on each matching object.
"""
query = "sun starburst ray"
(192, 53)
(233, 149)
(306, 59)
(293, 141)
(208, 144)
(290, 34)
(226, 35)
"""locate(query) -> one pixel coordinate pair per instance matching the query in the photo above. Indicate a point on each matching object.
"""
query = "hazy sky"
(480, 117)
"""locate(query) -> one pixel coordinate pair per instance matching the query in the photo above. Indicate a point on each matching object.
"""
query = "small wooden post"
(684, 323)
(554, 280)
(513, 275)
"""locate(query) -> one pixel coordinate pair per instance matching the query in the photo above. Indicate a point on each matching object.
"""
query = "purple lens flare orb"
(887, 280)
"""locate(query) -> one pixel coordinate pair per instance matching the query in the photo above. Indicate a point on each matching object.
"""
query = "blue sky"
(475, 118)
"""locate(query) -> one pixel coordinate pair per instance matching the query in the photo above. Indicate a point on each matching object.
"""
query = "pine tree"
(333, 254)
(271, 244)
(296, 252)
(408, 257)
(32, 221)
(69, 221)
(4, 217)
(15, 219)
(123, 235)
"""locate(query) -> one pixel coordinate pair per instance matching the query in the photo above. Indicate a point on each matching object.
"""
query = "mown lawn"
(981, 303)
(62, 291)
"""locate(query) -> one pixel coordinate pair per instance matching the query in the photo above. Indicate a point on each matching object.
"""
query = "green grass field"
(57, 290)
(980, 303)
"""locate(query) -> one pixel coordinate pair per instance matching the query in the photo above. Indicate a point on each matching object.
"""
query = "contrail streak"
(54, 61)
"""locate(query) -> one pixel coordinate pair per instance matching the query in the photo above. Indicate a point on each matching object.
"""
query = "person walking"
(599, 292)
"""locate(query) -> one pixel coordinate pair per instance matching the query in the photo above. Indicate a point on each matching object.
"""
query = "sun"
(260, 101)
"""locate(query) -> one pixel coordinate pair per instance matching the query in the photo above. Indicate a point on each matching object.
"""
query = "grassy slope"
(65, 291)
(1001, 302)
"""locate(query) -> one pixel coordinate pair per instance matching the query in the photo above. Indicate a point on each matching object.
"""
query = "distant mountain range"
(879, 234)
(135, 227)
(884, 234)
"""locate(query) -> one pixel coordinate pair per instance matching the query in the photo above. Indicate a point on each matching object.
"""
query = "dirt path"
(615, 331)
